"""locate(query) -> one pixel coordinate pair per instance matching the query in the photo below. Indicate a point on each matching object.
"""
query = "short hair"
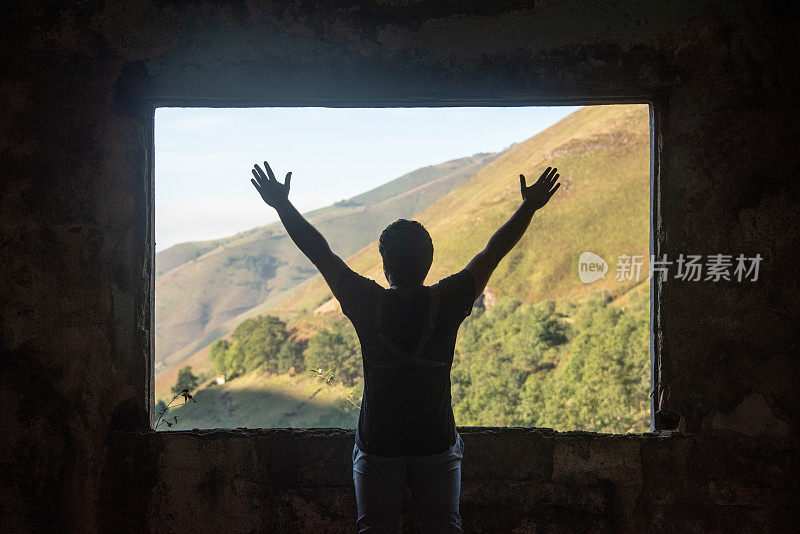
(407, 251)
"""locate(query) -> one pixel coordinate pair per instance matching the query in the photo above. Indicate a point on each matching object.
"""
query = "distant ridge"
(203, 287)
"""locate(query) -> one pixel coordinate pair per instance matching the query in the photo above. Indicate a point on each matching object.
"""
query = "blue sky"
(204, 156)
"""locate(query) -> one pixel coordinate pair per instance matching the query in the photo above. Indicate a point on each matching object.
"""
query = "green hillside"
(543, 349)
(581, 364)
(603, 156)
(204, 289)
(261, 399)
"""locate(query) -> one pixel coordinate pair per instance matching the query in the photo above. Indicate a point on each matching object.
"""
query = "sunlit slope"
(261, 400)
(198, 361)
(204, 289)
(602, 154)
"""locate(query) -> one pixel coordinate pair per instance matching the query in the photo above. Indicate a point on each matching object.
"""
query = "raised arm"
(534, 198)
(304, 235)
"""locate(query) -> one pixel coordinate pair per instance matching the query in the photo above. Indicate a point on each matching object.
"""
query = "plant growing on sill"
(160, 419)
(327, 377)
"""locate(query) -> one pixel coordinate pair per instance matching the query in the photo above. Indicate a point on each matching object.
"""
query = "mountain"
(603, 156)
(576, 363)
(203, 289)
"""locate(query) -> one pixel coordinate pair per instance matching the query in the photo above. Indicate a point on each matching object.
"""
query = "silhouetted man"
(406, 435)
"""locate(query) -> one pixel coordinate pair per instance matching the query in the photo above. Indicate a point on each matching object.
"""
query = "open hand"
(271, 190)
(538, 194)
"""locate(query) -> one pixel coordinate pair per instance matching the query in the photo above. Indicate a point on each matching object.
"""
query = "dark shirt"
(407, 344)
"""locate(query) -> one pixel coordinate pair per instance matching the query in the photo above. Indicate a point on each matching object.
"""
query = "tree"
(222, 357)
(186, 380)
(604, 384)
(497, 353)
(258, 343)
(337, 349)
(288, 356)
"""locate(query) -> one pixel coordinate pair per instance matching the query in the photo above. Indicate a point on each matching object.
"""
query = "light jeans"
(382, 483)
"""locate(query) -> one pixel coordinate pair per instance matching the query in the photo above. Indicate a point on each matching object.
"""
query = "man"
(406, 435)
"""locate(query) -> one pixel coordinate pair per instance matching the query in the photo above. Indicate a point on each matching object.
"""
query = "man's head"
(407, 252)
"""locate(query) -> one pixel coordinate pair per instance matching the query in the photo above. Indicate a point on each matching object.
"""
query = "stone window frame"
(657, 106)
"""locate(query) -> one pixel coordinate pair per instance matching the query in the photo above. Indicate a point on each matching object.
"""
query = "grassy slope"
(182, 253)
(603, 157)
(204, 288)
(257, 400)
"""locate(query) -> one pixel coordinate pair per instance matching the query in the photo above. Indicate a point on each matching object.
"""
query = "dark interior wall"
(79, 83)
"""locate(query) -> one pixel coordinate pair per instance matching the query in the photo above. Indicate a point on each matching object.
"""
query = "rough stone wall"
(79, 83)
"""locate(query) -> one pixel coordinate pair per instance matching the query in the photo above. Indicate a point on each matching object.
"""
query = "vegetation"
(267, 400)
(586, 367)
(327, 377)
(186, 380)
(338, 349)
(346, 204)
(162, 407)
(261, 343)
